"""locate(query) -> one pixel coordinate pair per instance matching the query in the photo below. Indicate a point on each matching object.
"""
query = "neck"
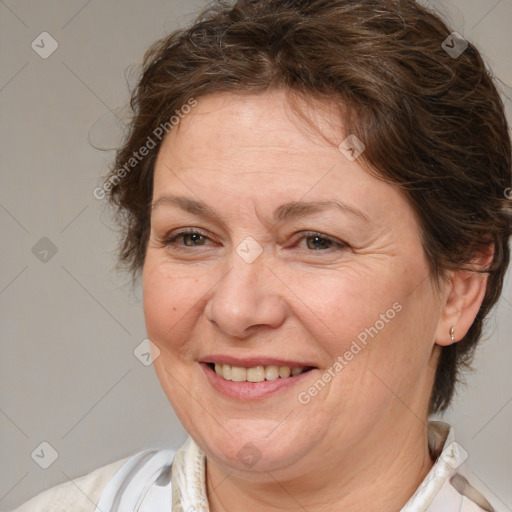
(367, 477)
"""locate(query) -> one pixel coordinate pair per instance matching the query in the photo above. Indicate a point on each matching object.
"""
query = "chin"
(255, 445)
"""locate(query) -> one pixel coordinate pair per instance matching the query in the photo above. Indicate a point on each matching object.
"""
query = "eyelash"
(170, 240)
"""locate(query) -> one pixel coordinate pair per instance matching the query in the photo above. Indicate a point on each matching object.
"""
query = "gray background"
(69, 325)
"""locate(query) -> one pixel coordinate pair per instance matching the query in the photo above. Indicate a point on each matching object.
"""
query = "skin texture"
(361, 442)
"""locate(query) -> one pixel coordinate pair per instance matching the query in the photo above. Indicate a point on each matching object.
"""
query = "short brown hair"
(433, 123)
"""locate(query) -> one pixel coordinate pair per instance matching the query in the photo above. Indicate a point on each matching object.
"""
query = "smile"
(254, 381)
(257, 373)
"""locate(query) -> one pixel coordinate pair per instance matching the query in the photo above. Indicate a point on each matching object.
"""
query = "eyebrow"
(284, 212)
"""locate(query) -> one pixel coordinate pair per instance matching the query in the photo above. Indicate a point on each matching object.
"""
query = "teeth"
(226, 371)
(284, 371)
(256, 373)
(238, 374)
(272, 372)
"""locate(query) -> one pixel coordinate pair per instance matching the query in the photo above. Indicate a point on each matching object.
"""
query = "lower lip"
(251, 390)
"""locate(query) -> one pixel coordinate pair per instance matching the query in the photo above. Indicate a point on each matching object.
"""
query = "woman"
(315, 194)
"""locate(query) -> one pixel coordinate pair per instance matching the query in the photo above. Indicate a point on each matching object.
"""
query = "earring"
(452, 337)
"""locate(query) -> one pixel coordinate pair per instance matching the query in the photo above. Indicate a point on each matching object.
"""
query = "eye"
(189, 237)
(192, 237)
(320, 242)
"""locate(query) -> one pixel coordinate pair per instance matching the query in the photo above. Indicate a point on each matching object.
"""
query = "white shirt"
(164, 481)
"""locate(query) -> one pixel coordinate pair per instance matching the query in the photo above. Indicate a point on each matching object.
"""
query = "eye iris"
(194, 237)
(318, 243)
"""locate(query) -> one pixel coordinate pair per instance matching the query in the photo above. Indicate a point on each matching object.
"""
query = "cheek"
(346, 306)
(171, 298)
(377, 326)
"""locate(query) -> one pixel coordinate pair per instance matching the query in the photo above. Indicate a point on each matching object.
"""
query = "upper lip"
(251, 362)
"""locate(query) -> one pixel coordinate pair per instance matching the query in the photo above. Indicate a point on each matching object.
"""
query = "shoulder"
(462, 492)
(80, 494)
(450, 485)
(143, 483)
(127, 484)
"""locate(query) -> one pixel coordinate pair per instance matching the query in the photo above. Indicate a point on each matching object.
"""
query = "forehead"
(232, 123)
(239, 146)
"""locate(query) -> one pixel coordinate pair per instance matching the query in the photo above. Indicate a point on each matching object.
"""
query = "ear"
(464, 293)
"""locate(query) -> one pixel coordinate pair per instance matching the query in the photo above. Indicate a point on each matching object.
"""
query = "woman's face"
(294, 257)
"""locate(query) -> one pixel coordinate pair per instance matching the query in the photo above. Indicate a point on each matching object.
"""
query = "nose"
(246, 298)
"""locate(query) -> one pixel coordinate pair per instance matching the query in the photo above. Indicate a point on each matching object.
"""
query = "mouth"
(257, 373)
(254, 379)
